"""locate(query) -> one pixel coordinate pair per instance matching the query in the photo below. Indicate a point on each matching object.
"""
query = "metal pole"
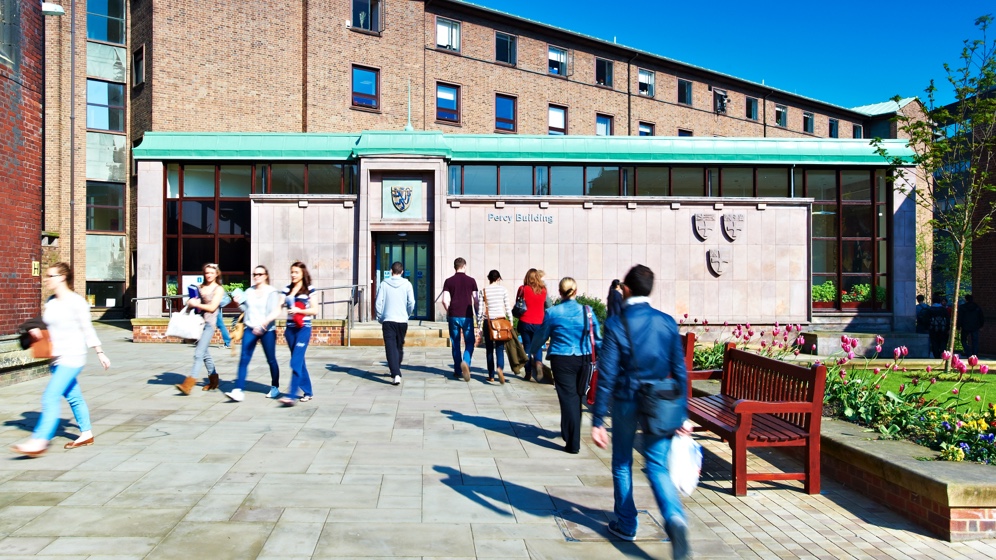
(72, 135)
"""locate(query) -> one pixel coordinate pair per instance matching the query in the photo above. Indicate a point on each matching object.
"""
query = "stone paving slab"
(436, 468)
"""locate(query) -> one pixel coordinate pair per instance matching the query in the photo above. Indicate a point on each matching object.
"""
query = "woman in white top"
(210, 295)
(261, 307)
(67, 316)
(495, 307)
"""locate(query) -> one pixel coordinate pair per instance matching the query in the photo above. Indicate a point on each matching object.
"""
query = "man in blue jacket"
(395, 304)
(654, 337)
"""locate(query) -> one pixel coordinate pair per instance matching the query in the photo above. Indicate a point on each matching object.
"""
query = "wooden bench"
(765, 403)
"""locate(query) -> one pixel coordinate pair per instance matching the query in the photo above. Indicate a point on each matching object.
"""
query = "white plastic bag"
(685, 462)
(185, 324)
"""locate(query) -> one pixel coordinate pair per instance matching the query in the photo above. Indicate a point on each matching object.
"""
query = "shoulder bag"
(237, 330)
(520, 303)
(660, 407)
(186, 325)
(592, 367)
(500, 329)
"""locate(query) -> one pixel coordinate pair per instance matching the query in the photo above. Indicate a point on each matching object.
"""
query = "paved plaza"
(436, 468)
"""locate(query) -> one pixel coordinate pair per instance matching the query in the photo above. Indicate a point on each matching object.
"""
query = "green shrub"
(597, 306)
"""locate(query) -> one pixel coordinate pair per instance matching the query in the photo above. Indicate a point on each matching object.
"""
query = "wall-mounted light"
(52, 9)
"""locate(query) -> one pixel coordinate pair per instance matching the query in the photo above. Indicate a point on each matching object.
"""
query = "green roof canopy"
(471, 148)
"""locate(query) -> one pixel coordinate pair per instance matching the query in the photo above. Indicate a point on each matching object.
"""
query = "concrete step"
(420, 333)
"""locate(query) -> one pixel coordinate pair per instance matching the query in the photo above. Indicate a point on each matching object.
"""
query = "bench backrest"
(750, 376)
(688, 345)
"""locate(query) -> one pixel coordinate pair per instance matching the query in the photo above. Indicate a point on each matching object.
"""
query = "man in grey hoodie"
(395, 304)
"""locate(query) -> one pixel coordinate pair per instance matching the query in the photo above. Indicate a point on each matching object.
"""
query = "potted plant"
(859, 296)
(825, 295)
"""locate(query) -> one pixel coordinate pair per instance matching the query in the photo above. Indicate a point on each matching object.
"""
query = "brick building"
(21, 162)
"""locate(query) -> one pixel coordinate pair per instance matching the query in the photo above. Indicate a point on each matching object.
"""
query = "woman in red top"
(534, 291)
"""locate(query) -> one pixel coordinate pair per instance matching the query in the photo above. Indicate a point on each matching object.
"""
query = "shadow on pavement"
(527, 432)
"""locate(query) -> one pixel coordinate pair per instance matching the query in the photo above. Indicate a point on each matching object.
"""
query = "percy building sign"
(509, 218)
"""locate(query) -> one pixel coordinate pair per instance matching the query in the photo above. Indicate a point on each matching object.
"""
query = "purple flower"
(850, 355)
(877, 371)
(946, 426)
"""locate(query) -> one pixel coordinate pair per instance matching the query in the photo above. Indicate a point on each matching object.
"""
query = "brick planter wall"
(324, 332)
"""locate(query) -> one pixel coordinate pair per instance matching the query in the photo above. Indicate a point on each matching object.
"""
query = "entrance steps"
(420, 333)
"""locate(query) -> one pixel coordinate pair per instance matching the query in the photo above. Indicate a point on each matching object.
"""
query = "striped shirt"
(496, 300)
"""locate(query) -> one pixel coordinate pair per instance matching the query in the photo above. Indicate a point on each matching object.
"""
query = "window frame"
(720, 101)
(685, 88)
(857, 131)
(608, 119)
(123, 19)
(808, 122)
(10, 26)
(781, 116)
(515, 113)
(649, 125)
(374, 6)
(457, 109)
(454, 26)
(750, 108)
(138, 66)
(550, 49)
(686, 132)
(551, 131)
(513, 42)
(120, 208)
(122, 108)
(607, 69)
(833, 128)
(651, 82)
(353, 93)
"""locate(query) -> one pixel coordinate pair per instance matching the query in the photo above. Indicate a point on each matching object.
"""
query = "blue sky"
(847, 53)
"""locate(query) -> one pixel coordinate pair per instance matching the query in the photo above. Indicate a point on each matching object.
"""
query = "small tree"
(954, 154)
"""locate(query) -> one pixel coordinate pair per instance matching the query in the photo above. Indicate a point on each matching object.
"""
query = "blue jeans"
(297, 340)
(62, 384)
(202, 353)
(527, 330)
(466, 324)
(495, 351)
(655, 451)
(224, 330)
(269, 341)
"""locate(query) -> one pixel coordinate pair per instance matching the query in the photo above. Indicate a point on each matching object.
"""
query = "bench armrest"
(701, 374)
(745, 406)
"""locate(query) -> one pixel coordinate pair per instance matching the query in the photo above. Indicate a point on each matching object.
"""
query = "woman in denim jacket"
(566, 325)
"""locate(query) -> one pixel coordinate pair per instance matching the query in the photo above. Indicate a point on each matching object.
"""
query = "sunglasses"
(259, 274)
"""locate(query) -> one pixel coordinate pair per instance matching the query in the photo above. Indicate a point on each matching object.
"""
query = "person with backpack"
(922, 315)
(970, 321)
(939, 326)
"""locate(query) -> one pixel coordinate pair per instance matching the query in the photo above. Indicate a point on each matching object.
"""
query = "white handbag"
(185, 324)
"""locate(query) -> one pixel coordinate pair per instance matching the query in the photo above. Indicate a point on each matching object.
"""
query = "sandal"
(79, 443)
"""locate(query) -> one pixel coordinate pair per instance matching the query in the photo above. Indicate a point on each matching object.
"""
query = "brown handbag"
(500, 329)
(42, 348)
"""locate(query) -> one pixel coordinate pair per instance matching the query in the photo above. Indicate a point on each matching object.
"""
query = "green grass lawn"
(970, 386)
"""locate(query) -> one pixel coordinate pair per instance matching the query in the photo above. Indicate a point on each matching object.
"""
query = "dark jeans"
(970, 343)
(527, 330)
(937, 343)
(466, 326)
(394, 345)
(269, 341)
(570, 380)
(297, 340)
(494, 350)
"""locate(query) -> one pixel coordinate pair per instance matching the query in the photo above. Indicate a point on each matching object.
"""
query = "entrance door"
(411, 250)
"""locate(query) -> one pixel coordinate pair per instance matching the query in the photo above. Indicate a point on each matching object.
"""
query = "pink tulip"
(977, 398)
(788, 328)
(905, 350)
(878, 349)
(879, 339)
(850, 355)
(845, 347)
(929, 369)
(973, 361)
(798, 328)
(902, 387)
(800, 341)
(764, 344)
(842, 374)
(796, 351)
(877, 371)
(983, 369)
(705, 322)
(854, 342)
(844, 339)
(895, 367)
(946, 356)
(814, 347)
(686, 315)
(904, 370)
(933, 380)
(726, 323)
(955, 392)
(962, 368)
(896, 352)
(876, 386)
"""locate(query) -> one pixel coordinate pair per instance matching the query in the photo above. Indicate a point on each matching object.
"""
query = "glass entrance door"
(411, 250)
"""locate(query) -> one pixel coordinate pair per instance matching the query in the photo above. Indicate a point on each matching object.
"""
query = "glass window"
(10, 23)
(557, 117)
(751, 112)
(197, 251)
(684, 92)
(456, 179)
(807, 122)
(286, 178)
(781, 115)
(603, 72)
(505, 48)
(719, 101)
(516, 180)
(653, 181)
(858, 131)
(480, 179)
(447, 34)
(855, 185)
(105, 294)
(235, 181)
(448, 103)
(821, 184)
(558, 61)
(366, 87)
(687, 181)
(881, 186)
(173, 180)
(834, 126)
(198, 181)
(104, 206)
(646, 129)
(505, 113)
(773, 181)
(602, 181)
(106, 157)
(172, 219)
(824, 221)
(647, 79)
(198, 219)
(234, 217)
(106, 62)
(603, 125)
(105, 21)
(857, 220)
(262, 178)
(542, 180)
(324, 178)
(567, 180)
(367, 15)
(824, 255)
(737, 181)
(627, 180)
(105, 106)
(233, 257)
(138, 67)
(684, 132)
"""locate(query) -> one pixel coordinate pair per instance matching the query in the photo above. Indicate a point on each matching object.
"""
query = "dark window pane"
(172, 217)
(505, 113)
(480, 179)
(287, 178)
(505, 48)
(233, 257)
(603, 181)
(517, 179)
(198, 217)
(881, 293)
(773, 182)
(447, 103)
(567, 180)
(798, 177)
(104, 194)
(824, 220)
(881, 186)
(109, 30)
(172, 254)
(855, 185)
(351, 178)
(881, 218)
(857, 221)
(825, 291)
(687, 181)
(543, 180)
(652, 181)
(821, 185)
(324, 178)
(738, 181)
(883, 256)
(234, 218)
(824, 255)
(196, 252)
(856, 256)
(627, 179)
(104, 219)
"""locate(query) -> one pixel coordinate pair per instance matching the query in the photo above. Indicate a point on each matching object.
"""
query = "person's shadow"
(576, 522)
(527, 432)
(362, 373)
(28, 420)
(167, 378)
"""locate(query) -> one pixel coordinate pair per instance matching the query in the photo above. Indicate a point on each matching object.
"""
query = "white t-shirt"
(69, 326)
(260, 302)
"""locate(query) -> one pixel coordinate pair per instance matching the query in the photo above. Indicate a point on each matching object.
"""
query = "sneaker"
(396, 380)
(677, 531)
(236, 395)
(306, 398)
(228, 345)
(618, 532)
(285, 401)
(274, 393)
(465, 369)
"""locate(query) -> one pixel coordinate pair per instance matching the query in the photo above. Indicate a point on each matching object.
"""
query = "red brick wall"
(321, 335)
(21, 171)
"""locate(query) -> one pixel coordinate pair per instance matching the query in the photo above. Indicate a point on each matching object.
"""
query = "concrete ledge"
(828, 343)
(955, 501)
(324, 332)
(16, 364)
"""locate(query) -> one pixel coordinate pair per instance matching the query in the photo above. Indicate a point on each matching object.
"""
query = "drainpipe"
(72, 136)
(764, 111)
(629, 95)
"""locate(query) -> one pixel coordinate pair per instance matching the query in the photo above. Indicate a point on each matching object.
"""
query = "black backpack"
(923, 318)
(938, 320)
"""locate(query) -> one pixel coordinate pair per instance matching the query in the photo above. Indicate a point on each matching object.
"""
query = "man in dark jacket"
(939, 325)
(654, 336)
(970, 321)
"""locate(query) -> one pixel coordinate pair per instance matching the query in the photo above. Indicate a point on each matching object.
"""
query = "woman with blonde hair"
(209, 293)
(533, 290)
(67, 318)
(570, 327)
(261, 307)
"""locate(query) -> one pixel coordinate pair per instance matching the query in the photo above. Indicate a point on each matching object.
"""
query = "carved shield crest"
(719, 260)
(401, 197)
(733, 225)
(704, 225)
